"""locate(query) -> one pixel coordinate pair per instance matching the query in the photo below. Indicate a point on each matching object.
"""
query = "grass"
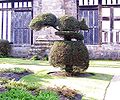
(93, 63)
(23, 61)
(105, 63)
(36, 79)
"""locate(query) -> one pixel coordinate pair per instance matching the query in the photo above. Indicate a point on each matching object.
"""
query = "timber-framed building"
(102, 17)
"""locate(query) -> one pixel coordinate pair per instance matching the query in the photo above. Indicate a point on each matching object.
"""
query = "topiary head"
(44, 20)
(50, 20)
(68, 23)
(83, 25)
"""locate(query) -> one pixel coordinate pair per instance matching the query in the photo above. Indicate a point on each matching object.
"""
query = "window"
(15, 16)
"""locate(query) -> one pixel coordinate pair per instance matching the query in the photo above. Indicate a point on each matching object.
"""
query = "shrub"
(45, 58)
(70, 53)
(67, 92)
(4, 48)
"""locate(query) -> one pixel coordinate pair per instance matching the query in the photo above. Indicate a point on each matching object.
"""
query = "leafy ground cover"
(21, 94)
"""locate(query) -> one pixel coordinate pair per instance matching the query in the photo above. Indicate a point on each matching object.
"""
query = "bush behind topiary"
(4, 48)
(72, 53)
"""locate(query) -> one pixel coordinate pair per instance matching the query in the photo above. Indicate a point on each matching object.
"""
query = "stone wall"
(47, 6)
(20, 51)
(57, 7)
(71, 7)
(105, 51)
(60, 8)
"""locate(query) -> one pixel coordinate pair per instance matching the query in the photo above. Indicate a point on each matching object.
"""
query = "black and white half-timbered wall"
(15, 16)
(102, 17)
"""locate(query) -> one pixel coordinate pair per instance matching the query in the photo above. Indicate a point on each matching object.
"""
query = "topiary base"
(69, 53)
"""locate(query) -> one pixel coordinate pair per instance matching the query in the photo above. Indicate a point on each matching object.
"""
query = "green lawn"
(105, 63)
(22, 61)
(92, 87)
(93, 63)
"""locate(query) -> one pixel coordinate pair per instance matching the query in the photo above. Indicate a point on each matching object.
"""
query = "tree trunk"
(69, 68)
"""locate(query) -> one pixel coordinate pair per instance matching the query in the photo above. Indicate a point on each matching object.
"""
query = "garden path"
(113, 91)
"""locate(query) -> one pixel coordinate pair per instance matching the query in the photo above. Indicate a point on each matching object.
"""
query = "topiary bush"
(67, 54)
(4, 48)
(70, 55)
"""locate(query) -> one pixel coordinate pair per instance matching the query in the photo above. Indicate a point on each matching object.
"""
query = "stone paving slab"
(113, 91)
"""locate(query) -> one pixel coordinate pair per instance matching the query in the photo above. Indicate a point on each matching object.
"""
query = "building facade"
(102, 17)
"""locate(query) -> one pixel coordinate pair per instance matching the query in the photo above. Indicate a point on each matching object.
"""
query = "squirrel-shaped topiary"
(67, 54)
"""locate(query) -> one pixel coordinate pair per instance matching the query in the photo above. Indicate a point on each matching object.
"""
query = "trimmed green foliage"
(69, 23)
(68, 35)
(44, 20)
(83, 25)
(4, 48)
(17, 94)
(69, 53)
(65, 23)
